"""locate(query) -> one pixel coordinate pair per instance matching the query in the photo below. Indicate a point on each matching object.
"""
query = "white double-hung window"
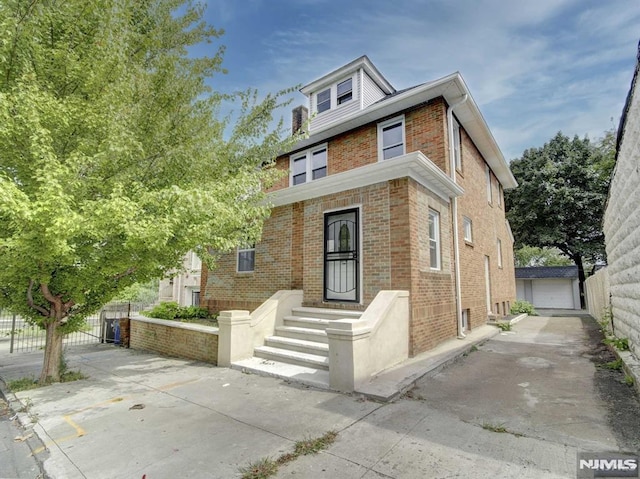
(434, 239)
(391, 140)
(323, 100)
(308, 165)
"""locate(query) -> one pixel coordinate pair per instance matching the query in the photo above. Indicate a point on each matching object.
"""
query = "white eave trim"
(413, 165)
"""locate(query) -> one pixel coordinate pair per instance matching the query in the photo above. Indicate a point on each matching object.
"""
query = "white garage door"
(553, 293)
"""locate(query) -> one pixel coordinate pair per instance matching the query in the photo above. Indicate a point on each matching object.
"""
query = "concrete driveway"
(143, 414)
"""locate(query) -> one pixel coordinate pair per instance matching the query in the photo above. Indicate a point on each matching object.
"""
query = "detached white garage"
(551, 287)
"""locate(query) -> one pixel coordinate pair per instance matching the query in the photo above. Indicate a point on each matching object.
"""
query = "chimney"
(299, 117)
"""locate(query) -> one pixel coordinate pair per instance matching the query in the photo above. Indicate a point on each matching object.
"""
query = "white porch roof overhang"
(413, 165)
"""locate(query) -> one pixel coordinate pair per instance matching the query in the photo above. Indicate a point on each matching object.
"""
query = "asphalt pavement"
(521, 404)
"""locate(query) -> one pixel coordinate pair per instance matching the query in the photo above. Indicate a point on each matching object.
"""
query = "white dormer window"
(345, 91)
(391, 138)
(324, 100)
(335, 95)
(308, 165)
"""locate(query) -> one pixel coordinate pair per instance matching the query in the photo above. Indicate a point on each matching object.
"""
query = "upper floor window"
(434, 239)
(500, 193)
(323, 100)
(335, 95)
(391, 138)
(489, 191)
(499, 253)
(456, 144)
(309, 165)
(467, 226)
(345, 91)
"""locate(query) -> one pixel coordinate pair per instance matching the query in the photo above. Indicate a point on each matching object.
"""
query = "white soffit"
(413, 165)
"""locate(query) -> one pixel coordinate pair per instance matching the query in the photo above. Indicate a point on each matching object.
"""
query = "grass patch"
(628, 380)
(504, 326)
(69, 376)
(615, 365)
(259, 470)
(499, 428)
(314, 446)
(23, 384)
(621, 344)
(267, 467)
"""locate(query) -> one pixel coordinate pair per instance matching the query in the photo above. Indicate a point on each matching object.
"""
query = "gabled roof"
(362, 62)
(547, 272)
(452, 88)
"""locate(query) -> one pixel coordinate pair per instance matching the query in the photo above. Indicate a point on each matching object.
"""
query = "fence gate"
(18, 335)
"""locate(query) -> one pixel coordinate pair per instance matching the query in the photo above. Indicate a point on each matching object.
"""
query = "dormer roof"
(362, 62)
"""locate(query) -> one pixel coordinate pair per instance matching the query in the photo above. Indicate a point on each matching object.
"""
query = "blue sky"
(534, 67)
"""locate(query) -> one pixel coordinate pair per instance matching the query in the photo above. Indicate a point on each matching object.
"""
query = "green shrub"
(520, 306)
(168, 310)
(193, 312)
(171, 310)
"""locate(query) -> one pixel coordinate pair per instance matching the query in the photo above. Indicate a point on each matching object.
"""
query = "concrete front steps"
(299, 348)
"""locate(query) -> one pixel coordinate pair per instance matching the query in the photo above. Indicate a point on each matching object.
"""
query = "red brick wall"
(395, 243)
(488, 226)
(224, 288)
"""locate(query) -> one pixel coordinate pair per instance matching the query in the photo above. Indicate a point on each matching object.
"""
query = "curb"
(35, 443)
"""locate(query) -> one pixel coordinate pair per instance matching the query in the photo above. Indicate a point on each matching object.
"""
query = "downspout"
(454, 214)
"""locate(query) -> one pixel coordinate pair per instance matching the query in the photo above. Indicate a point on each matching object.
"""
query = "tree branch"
(31, 304)
(128, 272)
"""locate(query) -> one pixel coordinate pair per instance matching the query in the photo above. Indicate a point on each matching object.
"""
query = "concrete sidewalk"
(140, 414)
(137, 413)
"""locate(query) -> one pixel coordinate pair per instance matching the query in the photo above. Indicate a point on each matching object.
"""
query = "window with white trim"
(488, 175)
(344, 91)
(308, 165)
(499, 254)
(467, 227)
(434, 239)
(500, 193)
(323, 100)
(246, 258)
(456, 144)
(335, 95)
(391, 140)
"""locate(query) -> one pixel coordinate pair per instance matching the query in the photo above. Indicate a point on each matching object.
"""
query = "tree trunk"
(52, 353)
(577, 259)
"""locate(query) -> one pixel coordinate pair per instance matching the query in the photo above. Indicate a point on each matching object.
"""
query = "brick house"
(367, 208)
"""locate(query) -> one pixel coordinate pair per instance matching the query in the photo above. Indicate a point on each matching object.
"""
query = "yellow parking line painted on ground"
(79, 431)
(166, 387)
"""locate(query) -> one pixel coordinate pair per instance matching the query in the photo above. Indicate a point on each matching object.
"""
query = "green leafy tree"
(561, 197)
(113, 160)
(536, 256)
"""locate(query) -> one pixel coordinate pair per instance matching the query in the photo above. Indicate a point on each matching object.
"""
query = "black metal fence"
(19, 335)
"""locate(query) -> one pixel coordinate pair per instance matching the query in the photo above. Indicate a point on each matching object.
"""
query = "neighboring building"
(555, 287)
(184, 287)
(367, 207)
(622, 223)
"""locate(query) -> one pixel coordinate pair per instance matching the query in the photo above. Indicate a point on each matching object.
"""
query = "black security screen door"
(341, 256)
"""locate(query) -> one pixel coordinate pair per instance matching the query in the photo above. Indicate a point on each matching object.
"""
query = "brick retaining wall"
(172, 338)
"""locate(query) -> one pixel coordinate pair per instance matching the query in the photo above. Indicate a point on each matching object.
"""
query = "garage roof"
(542, 272)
